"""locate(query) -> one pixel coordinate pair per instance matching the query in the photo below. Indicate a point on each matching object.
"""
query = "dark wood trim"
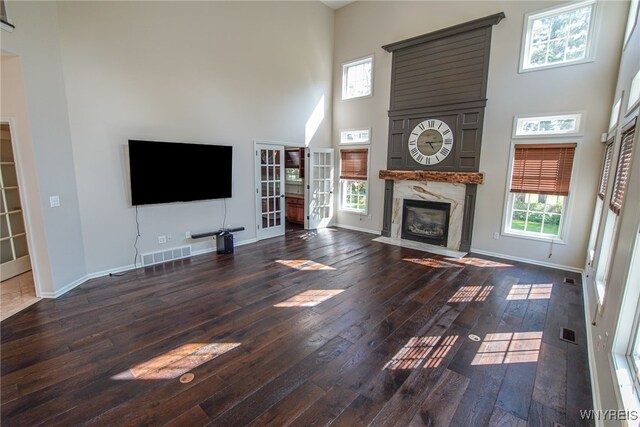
(468, 216)
(425, 176)
(446, 32)
(388, 208)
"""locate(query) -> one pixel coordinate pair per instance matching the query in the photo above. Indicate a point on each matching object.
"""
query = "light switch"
(54, 201)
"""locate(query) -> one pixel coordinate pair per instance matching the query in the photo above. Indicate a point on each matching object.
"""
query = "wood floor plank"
(440, 405)
(501, 418)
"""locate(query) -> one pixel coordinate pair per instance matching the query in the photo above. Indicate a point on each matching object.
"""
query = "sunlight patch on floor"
(471, 293)
(417, 350)
(505, 348)
(433, 263)
(310, 298)
(304, 264)
(176, 362)
(478, 262)
(531, 292)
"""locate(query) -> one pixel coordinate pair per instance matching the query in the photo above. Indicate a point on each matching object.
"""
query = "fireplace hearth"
(426, 221)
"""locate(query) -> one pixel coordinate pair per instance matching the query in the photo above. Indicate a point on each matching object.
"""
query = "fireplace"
(425, 221)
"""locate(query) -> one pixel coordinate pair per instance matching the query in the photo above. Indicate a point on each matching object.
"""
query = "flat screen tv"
(167, 172)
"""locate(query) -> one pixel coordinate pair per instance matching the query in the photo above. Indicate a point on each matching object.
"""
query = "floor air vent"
(569, 281)
(166, 255)
(568, 335)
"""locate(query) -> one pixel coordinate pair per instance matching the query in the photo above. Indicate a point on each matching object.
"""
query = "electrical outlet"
(187, 234)
(496, 235)
(169, 237)
(162, 239)
(54, 201)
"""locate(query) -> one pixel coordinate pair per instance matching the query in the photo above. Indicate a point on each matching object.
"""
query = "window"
(558, 36)
(622, 171)
(354, 179)
(634, 92)
(606, 170)
(293, 176)
(626, 342)
(615, 114)
(560, 125)
(540, 181)
(631, 20)
(621, 179)
(357, 78)
(360, 136)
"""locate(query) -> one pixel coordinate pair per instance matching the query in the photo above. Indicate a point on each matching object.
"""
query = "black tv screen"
(166, 172)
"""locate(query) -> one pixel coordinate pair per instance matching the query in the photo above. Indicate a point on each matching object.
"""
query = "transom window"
(558, 36)
(560, 125)
(540, 181)
(354, 179)
(357, 78)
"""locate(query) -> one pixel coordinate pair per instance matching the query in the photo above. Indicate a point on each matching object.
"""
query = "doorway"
(294, 188)
(17, 287)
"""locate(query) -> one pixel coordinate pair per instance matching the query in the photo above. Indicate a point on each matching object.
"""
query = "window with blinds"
(542, 168)
(622, 171)
(606, 170)
(353, 164)
(354, 175)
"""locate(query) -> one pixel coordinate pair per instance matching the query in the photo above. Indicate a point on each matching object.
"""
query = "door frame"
(24, 201)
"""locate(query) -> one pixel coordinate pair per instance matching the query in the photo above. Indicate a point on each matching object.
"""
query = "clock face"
(430, 142)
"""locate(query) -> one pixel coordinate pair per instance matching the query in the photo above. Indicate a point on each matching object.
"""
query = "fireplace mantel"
(425, 176)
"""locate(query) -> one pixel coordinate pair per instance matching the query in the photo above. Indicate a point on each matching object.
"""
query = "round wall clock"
(430, 142)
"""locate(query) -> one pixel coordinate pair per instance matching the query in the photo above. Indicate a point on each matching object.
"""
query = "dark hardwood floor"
(361, 333)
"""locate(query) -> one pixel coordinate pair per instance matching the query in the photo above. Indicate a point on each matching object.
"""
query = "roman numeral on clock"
(444, 151)
(415, 152)
(446, 132)
(421, 126)
(432, 123)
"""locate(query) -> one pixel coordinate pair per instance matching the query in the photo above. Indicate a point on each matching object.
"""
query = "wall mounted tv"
(167, 172)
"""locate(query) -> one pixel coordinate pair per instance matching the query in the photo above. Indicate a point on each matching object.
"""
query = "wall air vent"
(159, 257)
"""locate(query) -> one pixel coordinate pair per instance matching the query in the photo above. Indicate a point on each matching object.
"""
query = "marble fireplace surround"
(432, 192)
(445, 187)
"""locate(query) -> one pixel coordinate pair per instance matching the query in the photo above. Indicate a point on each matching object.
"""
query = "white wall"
(204, 72)
(363, 27)
(45, 144)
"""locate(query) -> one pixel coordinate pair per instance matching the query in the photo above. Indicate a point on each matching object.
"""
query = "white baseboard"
(65, 289)
(528, 261)
(364, 230)
(121, 269)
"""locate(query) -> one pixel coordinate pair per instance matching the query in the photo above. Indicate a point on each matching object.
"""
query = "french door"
(13, 238)
(269, 190)
(319, 209)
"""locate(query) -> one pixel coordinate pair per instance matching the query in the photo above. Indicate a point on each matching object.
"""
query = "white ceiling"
(336, 4)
